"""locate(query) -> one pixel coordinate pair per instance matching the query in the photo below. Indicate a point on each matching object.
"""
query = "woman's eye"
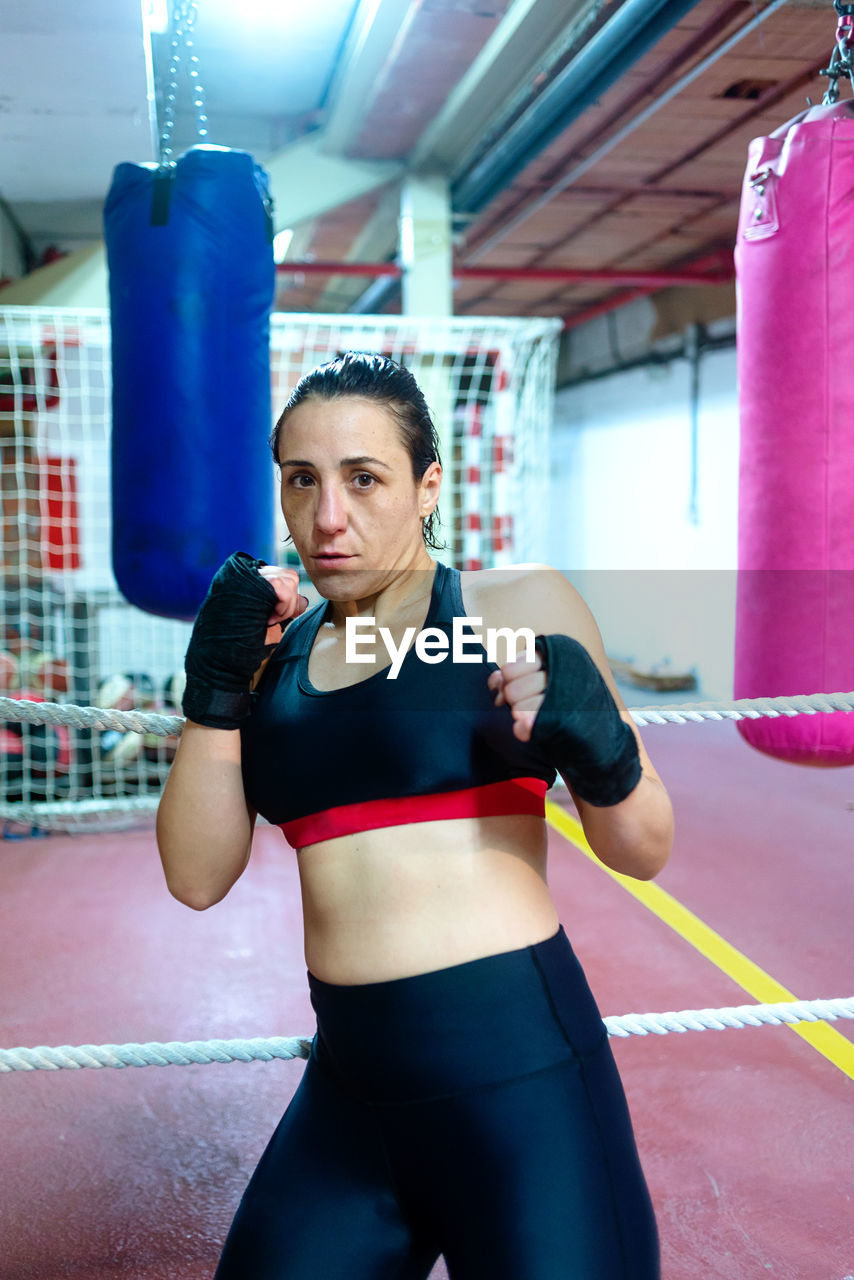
(364, 476)
(296, 479)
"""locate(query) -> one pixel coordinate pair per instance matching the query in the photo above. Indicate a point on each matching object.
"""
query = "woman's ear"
(430, 484)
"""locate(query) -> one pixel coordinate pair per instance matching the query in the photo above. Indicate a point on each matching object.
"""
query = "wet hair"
(370, 376)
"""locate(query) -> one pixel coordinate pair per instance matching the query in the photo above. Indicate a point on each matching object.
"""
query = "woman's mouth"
(331, 559)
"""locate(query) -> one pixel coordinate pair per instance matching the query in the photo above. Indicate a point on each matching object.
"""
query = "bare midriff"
(399, 901)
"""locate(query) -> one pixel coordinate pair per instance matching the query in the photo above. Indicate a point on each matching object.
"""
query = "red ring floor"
(746, 1136)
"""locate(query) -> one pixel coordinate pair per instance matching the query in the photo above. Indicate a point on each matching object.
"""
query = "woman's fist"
(237, 627)
(289, 603)
(521, 686)
(580, 730)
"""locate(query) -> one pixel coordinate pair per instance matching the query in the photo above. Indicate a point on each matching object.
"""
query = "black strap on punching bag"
(161, 195)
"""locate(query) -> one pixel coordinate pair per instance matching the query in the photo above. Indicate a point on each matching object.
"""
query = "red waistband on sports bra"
(516, 795)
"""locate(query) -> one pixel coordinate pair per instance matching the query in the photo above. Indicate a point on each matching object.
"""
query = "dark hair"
(375, 377)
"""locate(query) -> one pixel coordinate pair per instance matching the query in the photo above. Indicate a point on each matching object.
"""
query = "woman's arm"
(204, 826)
(635, 836)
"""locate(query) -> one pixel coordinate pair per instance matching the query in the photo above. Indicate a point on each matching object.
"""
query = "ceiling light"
(269, 15)
(155, 16)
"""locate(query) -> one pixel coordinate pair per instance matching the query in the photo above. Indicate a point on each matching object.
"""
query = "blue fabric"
(189, 309)
(474, 1112)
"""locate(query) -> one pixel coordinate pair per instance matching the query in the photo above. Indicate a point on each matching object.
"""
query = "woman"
(461, 1097)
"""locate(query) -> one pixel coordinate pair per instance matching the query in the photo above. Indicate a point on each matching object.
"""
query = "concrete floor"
(745, 1135)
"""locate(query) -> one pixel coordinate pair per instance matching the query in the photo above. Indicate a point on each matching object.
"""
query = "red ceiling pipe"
(720, 263)
(602, 308)
(639, 279)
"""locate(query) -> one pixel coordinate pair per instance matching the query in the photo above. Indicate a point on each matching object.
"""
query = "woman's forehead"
(340, 423)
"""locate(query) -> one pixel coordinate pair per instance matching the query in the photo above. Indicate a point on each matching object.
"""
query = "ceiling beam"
(306, 182)
(520, 47)
(525, 37)
(376, 35)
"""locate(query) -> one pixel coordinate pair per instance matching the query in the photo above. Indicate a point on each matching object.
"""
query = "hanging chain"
(184, 16)
(842, 59)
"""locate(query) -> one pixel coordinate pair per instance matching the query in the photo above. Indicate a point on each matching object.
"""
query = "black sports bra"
(429, 744)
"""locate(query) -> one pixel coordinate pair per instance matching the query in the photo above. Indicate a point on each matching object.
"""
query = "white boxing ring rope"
(202, 1052)
(177, 1053)
(168, 726)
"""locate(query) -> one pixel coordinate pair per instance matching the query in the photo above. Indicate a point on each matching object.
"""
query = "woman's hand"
(289, 603)
(237, 627)
(521, 686)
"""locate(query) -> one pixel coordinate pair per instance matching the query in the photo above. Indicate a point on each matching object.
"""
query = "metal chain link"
(182, 45)
(841, 62)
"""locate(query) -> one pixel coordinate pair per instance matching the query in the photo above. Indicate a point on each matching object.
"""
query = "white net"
(66, 633)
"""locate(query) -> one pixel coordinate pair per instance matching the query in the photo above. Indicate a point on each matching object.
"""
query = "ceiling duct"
(615, 48)
(623, 41)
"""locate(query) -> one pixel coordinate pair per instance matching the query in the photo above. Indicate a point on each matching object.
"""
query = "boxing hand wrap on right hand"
(228, 644)
(578, 727)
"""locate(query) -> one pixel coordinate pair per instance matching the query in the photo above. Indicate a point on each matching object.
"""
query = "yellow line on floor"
(765, 989)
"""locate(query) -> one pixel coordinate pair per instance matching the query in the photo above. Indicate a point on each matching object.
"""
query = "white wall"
(659, 580)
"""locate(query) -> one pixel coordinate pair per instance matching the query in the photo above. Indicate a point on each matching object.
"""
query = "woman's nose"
(331, 514)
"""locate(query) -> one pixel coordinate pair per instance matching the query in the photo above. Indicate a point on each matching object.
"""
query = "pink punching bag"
(795, 281)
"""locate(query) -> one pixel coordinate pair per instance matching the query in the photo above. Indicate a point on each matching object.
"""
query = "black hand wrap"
(228, 644)
(578, 727)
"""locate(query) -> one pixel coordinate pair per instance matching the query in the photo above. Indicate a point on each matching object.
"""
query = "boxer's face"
(349, 497)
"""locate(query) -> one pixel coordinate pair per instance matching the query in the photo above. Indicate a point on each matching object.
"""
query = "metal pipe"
(565, 275)
(602, 308)
(585, 165)
(652, 360)
(711, 262)
(622, 42)
(647, 91)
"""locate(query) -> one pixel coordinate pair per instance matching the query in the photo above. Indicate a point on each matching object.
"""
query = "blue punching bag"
(190, 256)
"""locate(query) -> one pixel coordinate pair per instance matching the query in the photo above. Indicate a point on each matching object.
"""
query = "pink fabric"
(795, 282)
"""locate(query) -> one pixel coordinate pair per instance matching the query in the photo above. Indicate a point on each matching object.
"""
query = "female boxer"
(461, 1097)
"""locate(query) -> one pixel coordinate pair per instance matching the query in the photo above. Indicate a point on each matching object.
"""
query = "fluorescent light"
(271, 16)
(155, 16)
(265, 13)
(281, 244)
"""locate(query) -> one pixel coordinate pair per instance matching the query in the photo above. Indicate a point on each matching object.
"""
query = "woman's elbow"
(197, 886)
(637, 859)
(194, 897)
(634, 838)
(657, 845)
(652, 863)
(199, 874)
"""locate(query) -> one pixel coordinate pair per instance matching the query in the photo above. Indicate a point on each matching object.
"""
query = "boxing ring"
(743, 1137)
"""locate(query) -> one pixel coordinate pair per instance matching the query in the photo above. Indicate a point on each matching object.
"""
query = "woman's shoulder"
(531, 595)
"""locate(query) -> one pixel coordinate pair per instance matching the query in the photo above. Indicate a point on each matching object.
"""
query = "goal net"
(66, 633)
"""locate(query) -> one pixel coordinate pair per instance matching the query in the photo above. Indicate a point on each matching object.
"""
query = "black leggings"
(474, 1112)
